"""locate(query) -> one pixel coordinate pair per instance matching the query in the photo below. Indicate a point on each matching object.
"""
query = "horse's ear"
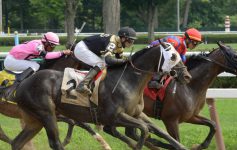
(163, 44)
(221, 45)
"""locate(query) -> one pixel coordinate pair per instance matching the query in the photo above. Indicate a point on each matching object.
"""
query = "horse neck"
(62, 63)
(204, 75)
(147, 65)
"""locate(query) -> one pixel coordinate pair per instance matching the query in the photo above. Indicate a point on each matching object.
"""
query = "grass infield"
(201, 47)
(190, 134)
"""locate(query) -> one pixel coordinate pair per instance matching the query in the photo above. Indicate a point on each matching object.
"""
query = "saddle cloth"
(71, 79)
(160, 93)
(4, 75)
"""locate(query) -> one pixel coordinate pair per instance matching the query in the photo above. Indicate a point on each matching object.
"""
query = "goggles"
(130, 40)
(195, 43)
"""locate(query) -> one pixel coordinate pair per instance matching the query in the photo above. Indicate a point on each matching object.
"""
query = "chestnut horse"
(121, 107)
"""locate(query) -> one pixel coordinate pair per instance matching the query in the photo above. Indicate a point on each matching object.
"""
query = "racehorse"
(186, 103)
(121, 107)
(10, 109)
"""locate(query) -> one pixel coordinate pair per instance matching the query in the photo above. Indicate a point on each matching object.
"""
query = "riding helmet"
(193, 34)
(51, 38)
(127, 32)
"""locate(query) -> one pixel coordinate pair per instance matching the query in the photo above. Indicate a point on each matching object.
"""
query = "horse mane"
(141, 52)
(49, 62)
(196, 59)
(136, 55)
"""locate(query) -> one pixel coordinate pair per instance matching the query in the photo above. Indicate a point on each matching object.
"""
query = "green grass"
(190, 134)
(202, 47)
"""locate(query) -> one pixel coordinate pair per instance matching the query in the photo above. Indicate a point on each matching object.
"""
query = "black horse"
(122, 107)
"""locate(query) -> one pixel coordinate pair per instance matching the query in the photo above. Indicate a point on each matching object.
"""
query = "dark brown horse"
(10, 109)
(185, 104)
(122, 107)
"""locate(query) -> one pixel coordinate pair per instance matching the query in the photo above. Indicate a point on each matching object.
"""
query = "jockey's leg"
(83, 87)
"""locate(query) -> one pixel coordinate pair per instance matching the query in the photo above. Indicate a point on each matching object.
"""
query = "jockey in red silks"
(19, 57)
(191, 38)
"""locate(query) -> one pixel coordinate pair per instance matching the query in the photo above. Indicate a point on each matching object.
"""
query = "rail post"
(214, 117)
(16, 38)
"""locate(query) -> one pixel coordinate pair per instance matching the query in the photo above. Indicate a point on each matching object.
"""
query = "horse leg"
(48, 119)
(150, 142)
(204, 121)
(31, 128)
(71, 124)
(4, 137)
(172, 127)
(29, 145)
(152, 128)
(112, 131)
(85, 126)
(97, 136)
(125, 120)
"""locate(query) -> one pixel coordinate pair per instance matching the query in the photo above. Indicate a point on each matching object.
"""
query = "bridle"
(146, 71)
(226, 67)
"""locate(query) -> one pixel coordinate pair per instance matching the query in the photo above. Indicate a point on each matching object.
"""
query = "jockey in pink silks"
(19, 57)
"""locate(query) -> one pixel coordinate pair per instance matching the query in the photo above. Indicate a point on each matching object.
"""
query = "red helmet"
(193, 34)
(51, 38)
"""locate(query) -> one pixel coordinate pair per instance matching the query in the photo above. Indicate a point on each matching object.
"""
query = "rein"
(145, 71)
(134, 67)
(218, 63)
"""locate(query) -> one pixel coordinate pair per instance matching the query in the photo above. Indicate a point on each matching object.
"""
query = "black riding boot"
(83, 87)
(25, 74)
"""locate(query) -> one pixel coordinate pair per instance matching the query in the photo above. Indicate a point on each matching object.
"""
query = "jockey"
(191, 38)
(19, 56)
(92, 48)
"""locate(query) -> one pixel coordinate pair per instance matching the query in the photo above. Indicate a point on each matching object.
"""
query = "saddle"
(158, 96)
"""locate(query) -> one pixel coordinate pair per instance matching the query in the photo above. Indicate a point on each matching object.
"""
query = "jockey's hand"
(127, 58)
(67, 52)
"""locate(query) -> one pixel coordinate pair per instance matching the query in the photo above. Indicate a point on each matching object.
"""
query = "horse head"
(230, 56)
(179, 71)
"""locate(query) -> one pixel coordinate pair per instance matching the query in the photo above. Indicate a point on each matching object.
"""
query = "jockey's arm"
(113, 61)
(183, 57)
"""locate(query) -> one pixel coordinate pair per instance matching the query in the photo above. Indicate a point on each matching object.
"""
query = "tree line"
(109, 15)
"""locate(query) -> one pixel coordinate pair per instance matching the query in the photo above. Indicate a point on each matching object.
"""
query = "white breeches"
(85, 55)
(13, 64)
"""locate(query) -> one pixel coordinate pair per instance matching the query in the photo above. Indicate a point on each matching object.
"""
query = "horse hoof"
(196, 147)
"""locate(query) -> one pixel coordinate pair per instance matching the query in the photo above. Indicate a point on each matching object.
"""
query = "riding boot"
(25, 74)
(83, 86)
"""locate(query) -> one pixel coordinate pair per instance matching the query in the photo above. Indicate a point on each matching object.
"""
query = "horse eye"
(173, 57)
